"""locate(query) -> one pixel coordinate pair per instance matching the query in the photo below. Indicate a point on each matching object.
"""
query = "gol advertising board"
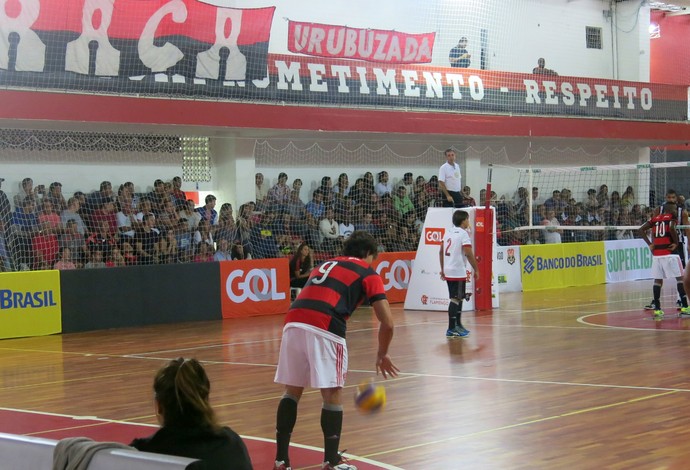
(395, 270)
(562, 265)
(30, 304)
(254, 287)
(627, 260)
(426, 290)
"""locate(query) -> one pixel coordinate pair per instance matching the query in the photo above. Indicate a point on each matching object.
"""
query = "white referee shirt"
(450, 175)
(454, 264)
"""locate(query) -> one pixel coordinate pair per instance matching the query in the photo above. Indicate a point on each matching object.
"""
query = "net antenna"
(530, 179)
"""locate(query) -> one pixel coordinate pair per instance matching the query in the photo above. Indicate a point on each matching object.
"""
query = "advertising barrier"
(395, 270)
(627, 260)
(254, 287)
(562, 265)
(30, 304)
(96, 299)
(426, 290)
(507, 268)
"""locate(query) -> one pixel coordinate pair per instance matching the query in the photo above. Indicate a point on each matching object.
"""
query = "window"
(593, 37)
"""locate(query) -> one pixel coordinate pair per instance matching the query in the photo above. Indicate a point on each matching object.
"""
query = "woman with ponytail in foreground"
(188, 423)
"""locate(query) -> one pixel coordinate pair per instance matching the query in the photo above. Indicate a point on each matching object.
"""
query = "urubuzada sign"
(373, 45)
(189, 48)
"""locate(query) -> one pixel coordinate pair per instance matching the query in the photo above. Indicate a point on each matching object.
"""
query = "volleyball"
(370, 398)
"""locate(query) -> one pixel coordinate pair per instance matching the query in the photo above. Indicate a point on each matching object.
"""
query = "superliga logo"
(396, 275)
(257, 285)
(434, 235)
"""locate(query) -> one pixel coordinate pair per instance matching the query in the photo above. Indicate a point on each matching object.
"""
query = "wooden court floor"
(577, 378)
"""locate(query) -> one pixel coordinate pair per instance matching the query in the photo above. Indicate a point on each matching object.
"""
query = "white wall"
(632, 26)
(84, 171)
(234, 167)
(474, 160)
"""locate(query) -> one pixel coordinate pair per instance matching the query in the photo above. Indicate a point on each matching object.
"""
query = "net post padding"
(484, 229)
(483, 239)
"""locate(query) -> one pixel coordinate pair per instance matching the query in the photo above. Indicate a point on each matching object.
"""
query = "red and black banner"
(190, 48)
(132, 39)
(372, 45)
(332, 82)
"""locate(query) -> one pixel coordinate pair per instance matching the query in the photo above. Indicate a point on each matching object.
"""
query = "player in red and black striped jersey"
(665, 263)
(680, 219)
(334, 290)
(313, 350)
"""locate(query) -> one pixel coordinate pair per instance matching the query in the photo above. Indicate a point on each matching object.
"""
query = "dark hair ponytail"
(182, 389)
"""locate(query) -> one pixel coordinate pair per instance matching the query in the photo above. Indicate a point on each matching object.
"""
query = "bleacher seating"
(36, 453)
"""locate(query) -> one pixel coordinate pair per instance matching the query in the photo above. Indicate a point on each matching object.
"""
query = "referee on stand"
(449, 181)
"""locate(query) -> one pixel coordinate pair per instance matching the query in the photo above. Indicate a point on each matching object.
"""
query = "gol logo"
(434, 235)
(479, 223)
(257, 285)
(396, 274)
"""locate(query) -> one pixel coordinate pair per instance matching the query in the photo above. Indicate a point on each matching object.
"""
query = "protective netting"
(85, 200)
(518, 57)
(91, 193)
(588, 203)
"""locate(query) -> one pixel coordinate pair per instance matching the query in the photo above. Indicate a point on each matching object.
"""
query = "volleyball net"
(589, 203)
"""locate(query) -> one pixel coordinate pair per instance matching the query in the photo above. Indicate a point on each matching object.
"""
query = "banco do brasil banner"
(30, 304)
(190, 48)
(562, 265)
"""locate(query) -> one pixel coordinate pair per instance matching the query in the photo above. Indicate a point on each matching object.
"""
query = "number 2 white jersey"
(454, 264)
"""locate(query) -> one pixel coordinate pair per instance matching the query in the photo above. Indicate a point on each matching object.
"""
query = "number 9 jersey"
(334, 290)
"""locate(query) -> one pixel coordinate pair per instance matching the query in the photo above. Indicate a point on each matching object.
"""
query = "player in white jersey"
(454, 254)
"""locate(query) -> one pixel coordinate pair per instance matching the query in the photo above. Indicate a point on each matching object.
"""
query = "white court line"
(499, 311)
(460, 377)
(540, 382)
(583, 320)
(252, 438)
(77, 418)
(241, 343)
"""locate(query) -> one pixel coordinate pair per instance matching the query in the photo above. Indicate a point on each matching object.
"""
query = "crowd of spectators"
(117, 226)
(110, 228)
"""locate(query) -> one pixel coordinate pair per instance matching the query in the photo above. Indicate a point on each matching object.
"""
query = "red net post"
(483, 239)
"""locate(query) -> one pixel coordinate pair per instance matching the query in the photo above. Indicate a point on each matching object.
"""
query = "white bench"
(36, 453)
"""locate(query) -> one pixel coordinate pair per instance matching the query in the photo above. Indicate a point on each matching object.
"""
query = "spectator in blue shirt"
(207, 211)
(26, 225)
(316, 207)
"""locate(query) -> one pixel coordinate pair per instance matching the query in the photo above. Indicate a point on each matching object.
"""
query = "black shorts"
(458, 200)
(456, 289)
